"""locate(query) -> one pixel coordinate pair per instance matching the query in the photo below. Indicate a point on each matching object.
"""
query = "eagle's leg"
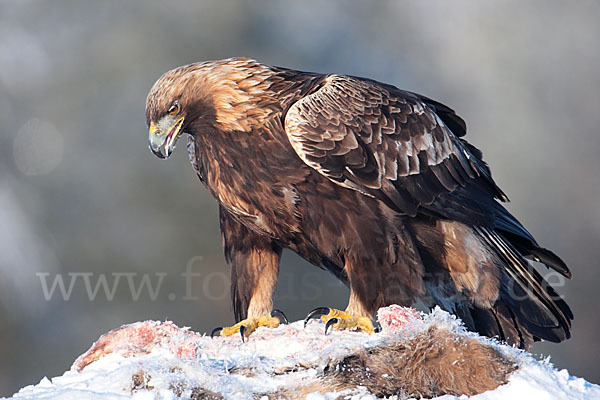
(254, 260)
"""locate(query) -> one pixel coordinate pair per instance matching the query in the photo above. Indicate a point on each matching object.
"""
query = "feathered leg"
(377, 280)
(254, 260)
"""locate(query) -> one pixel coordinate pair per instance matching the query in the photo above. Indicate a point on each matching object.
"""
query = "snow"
(157, 360)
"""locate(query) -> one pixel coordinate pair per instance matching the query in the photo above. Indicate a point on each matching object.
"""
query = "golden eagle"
(373, 183)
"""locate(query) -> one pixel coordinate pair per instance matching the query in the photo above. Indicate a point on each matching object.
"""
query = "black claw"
(214, 331)
(316, 313)
(242, 330)
(377, 327)
(330, 323)
(279, 315)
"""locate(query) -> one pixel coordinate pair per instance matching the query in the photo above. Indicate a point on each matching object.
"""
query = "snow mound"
(158, 360)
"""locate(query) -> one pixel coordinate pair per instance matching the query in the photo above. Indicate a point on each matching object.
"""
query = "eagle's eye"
(174, 109)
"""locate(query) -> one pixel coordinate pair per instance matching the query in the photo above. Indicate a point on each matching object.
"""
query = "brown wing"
(406, 150)
(398, 147)
(384, 142)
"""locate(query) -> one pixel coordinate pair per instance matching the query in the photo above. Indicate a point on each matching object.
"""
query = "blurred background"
(82, 200)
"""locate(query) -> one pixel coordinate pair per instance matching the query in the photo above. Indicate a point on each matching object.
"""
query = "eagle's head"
(204, 97)
(167, 111)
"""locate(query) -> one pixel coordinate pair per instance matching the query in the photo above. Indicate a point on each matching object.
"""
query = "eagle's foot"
(249, 325)
(337, 319)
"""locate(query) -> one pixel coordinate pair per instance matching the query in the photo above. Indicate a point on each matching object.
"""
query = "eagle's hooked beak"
(162, 136)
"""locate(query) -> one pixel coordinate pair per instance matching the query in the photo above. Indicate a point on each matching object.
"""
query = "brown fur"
(141, 381)
(204, 394)
(433, 363)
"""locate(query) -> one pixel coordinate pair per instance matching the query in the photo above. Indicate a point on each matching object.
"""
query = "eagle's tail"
(528, 309)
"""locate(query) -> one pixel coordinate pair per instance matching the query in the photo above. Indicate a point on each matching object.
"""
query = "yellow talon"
(338, 319)
(249, 325)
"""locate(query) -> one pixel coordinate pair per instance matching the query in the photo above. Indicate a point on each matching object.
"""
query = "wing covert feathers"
(383, 142)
